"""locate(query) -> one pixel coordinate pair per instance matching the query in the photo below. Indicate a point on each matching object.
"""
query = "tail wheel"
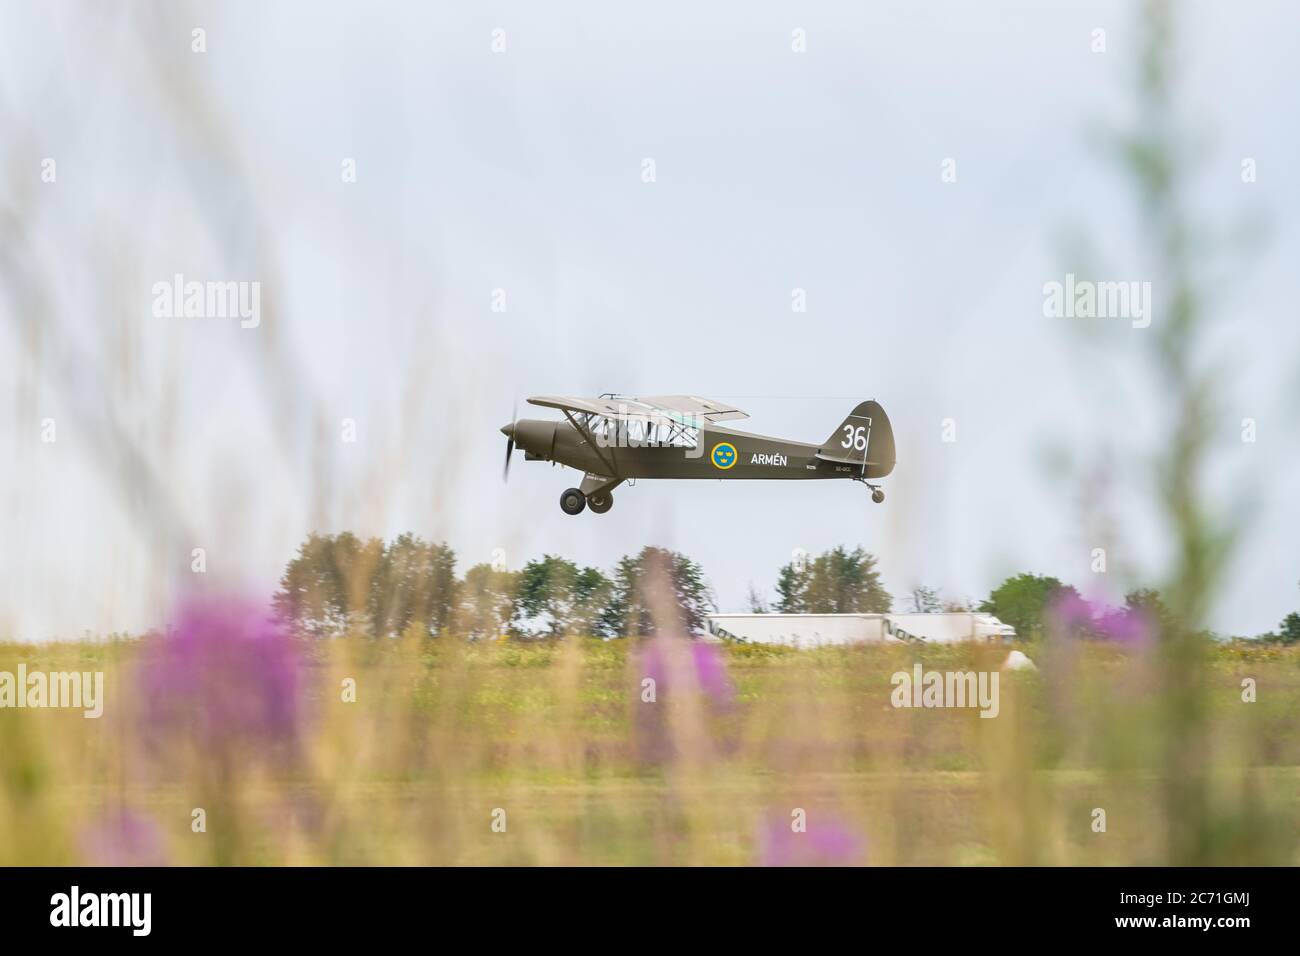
(600, 503)
(877, 496)
(572, 501)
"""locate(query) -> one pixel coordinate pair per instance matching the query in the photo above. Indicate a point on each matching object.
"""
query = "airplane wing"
(591, 406)
(621, 406)
(706, 408)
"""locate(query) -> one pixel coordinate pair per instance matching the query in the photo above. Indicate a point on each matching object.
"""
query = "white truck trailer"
(818, 630)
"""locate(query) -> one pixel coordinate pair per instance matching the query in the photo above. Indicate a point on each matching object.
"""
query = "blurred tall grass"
(1159, 153)
(443, 734)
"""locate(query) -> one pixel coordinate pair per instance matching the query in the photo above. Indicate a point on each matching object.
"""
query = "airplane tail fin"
(865, 435)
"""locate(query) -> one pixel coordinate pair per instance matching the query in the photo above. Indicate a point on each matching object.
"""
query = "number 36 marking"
(855, 437)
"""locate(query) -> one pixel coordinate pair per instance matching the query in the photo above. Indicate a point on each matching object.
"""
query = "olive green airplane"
(616, 438)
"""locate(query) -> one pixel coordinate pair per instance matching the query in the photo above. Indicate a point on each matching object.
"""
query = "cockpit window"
(641, 431)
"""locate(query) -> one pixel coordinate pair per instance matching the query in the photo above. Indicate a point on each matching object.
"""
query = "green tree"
(1289, 629)
(488, 602)
(792, 587)
(836, 582)
(307, 594)
(340, 583)
(325, 589)
(415, 585)
(561, 597)
(1023, 601)
(1148, 603)
(657, 591)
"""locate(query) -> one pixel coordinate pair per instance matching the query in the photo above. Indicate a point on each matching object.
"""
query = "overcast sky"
(522, 170)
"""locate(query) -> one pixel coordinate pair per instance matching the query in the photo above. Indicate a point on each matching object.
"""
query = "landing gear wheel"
(600, 503)
(877, 496)
(573, 501)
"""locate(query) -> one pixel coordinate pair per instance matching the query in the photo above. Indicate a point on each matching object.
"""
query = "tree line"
(342, 584)
(1035, 604)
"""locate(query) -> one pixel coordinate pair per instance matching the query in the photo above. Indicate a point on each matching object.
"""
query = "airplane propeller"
(510, 441)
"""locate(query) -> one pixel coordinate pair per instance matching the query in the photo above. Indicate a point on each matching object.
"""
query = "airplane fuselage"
(678, 439)
(718, 453)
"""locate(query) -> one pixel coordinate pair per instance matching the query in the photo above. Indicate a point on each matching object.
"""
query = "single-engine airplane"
(615, 438)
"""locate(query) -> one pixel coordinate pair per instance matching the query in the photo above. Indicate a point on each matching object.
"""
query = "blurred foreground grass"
(443, 736)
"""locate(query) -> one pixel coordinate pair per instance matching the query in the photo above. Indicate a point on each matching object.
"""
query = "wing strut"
(586, 432)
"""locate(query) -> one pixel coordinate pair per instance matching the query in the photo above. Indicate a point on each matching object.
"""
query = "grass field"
(512, 753)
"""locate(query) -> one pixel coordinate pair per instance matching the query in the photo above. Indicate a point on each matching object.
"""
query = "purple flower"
(711, 672)
(704, 669)
(1071, 614)
(823, 843)
(226, 671)
(122, 838)
(679, 668)
(1127, 626)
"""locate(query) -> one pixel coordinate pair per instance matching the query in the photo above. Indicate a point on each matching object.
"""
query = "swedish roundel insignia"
(724, 455)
